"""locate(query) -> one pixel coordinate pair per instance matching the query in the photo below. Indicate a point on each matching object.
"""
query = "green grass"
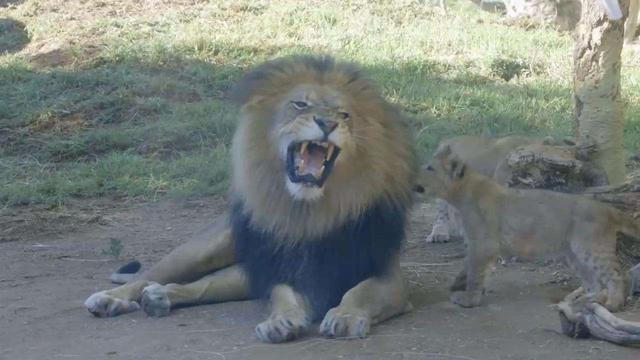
(112, 98)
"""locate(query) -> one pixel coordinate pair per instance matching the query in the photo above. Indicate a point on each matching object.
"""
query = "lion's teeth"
(319, 172)
(303, 147)
(301, 165)
(329, 152)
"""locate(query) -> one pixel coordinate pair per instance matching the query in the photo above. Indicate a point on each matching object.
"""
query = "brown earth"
(51, 261)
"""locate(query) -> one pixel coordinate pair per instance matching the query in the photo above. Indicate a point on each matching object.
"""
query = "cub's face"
(442, 176)
(314, 136)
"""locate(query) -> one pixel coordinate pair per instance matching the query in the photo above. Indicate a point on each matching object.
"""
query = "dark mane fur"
(321, 269)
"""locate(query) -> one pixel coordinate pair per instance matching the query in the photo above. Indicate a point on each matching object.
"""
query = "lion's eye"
(344, 115)
(299, 105)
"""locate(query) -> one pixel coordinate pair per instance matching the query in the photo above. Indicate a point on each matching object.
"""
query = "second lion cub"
(528, 223)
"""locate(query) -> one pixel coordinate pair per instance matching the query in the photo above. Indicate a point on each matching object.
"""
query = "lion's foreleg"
(229, 284)
(211, 251)
(289, 316)
(368, 303)
(481, 252)
(441, 231)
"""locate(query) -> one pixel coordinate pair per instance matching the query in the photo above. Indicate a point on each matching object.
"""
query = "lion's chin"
(304, 192)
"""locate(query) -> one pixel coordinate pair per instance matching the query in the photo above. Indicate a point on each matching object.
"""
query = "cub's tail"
(125, 273)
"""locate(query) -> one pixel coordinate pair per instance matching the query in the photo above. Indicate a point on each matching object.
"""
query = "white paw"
(155, 301)
(282, 327)
(101, 304)
(344, 323)
(439, 234)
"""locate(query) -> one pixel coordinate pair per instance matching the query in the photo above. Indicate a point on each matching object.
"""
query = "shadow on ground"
(13, 35)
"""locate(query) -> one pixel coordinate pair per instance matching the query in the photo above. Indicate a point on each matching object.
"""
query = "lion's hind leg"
(289, 316)
(117, 301)
(228, 284)
(212, 250)
(601, 276)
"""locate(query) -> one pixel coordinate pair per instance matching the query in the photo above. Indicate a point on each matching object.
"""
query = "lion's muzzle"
(311, 162)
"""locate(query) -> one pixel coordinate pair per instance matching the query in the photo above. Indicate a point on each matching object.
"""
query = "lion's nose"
(327, 126)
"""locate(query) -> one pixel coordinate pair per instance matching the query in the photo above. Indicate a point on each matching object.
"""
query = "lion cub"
(486, 156)
(528, 223)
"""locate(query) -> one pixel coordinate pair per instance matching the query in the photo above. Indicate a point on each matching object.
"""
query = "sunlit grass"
(128, 98)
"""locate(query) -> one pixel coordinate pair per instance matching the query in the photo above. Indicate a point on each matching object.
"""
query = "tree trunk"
(596, 84)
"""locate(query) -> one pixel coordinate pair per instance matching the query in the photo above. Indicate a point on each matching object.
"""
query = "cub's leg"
(468, 287)
(460, 282)
(600, 272)
(210, 251)
(368, 303)
(444, 227)
(289, 316)
(228, 284)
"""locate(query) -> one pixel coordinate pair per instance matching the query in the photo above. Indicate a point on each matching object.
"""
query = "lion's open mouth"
(310, 162)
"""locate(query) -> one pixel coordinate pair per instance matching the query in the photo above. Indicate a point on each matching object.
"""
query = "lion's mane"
(323, 247)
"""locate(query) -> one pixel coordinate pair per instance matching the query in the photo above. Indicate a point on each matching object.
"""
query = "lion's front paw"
(101, 304)
(467, 299)
(282, 327)
(340, 322)
(155, 301)
(439, 234)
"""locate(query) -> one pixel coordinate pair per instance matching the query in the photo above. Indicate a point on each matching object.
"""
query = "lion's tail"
(125, 273)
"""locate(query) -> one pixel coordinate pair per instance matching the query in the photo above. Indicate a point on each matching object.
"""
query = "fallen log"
(583, 319)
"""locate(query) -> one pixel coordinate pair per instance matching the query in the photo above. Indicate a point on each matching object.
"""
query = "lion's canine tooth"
(303, 147)
(329, 152)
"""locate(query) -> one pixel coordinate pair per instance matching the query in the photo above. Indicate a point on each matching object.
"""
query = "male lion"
(322, 176)
(497, 219)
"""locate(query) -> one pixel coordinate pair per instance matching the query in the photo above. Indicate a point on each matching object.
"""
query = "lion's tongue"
(313, 160)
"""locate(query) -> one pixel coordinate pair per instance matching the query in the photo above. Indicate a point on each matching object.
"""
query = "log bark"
(596, 84)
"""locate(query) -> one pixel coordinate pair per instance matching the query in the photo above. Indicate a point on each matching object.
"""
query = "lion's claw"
(343, 323)
(283, 327)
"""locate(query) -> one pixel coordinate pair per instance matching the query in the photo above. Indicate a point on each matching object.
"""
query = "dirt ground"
(46, 276)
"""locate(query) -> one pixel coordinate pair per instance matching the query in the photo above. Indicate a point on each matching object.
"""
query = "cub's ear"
(458, 168)
(443, 151)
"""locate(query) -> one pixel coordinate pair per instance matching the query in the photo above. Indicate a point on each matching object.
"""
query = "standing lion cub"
(528, 223)
(484, 155)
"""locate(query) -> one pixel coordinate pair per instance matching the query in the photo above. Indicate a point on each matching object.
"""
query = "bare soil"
(50, 262)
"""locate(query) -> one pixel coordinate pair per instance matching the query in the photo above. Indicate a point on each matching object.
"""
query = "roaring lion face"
(314, 134)
(315, 145)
